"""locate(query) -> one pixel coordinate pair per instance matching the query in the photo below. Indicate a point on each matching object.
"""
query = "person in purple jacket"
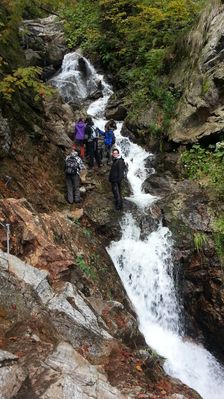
(79, 136)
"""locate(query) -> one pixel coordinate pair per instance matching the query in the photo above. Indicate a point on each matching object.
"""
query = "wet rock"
(158, 185)
(116, 110)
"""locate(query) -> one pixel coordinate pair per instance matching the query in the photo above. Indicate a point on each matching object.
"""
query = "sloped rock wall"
(200, 78)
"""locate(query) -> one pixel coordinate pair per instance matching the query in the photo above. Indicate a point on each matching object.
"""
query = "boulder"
(65, 373)
(59, 122)
(116, 108)
(116, 111)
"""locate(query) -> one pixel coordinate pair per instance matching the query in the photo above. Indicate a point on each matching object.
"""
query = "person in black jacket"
(91, 135)
(116, 175)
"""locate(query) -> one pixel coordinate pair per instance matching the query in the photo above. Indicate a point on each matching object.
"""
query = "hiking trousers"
(73, 184)
(108, 148)
(116, 190)
(93, 153)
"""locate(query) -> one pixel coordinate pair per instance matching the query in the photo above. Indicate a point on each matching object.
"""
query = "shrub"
(205, 164)
(88, 271)
(200, 240)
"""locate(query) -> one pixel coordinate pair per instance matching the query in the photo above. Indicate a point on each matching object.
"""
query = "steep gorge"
(44, 209)
(67, 326)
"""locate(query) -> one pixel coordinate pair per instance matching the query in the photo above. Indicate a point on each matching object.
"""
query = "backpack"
(93, 134)
(71, 165)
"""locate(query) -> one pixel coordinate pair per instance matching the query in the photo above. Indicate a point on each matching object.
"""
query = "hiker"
(109, 138)
(91, 135)
(73, 166)
(116, 175)
(79, 136)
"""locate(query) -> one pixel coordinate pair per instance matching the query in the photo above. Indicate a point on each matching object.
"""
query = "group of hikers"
(92, 144)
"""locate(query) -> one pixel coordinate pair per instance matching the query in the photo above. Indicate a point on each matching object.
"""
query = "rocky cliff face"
(200, 76)
(44, 44)
(67, 327)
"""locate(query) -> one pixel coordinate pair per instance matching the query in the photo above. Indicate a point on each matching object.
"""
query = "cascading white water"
(146, 270)
(78, 80)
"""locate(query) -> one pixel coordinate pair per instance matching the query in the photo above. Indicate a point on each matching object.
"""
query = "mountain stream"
(145, 264)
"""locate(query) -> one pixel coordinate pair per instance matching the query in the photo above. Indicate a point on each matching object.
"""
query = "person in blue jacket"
(109, 138)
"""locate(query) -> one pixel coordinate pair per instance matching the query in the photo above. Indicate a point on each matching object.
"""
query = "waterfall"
(145, 264)
(78, 80)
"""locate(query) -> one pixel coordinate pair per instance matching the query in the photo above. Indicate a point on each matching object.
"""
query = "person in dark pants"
(73, 166)
(116, 175)
(91, 135)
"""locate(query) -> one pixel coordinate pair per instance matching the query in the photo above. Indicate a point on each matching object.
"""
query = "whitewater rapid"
(145, 265)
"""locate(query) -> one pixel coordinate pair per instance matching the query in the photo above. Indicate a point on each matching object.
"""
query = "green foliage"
(81, 24)
(154, 130)
(15, 77)
(207, 165)
(219, 237)
(134, 40)
(21, 79)
(88, 271)
(200, 240)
